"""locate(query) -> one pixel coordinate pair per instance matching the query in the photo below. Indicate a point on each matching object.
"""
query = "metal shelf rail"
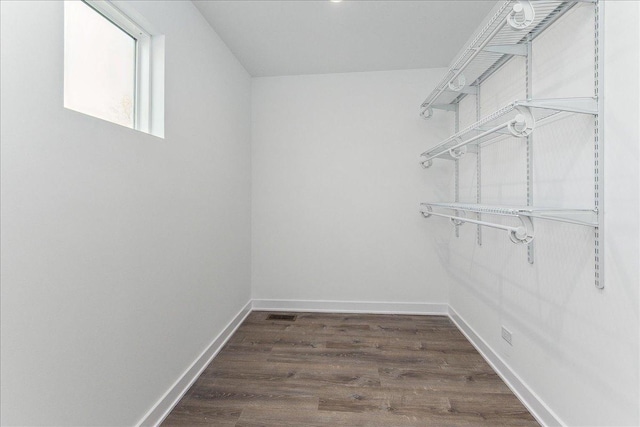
(517, 118)
(518, 234)
(506, 34)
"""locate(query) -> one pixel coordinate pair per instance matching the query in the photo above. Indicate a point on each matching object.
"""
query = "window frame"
(142, 72)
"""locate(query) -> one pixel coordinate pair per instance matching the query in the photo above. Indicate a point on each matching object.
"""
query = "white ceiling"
(273, 38)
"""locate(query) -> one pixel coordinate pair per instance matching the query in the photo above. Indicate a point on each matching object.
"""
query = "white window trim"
(142, 102)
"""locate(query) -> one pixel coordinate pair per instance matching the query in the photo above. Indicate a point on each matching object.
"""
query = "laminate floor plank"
(349, 370)
(195, 414)
(301, 373)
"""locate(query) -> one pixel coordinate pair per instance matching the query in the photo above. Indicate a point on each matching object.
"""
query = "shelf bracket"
(508, 49)
(467, 90)
(427, 113)
(523, 124)
(458, 219)
(572, 105)
(522, 234)
(425, 163)
(522, 15)
(457, 153)
(458, 84)
(446, 107)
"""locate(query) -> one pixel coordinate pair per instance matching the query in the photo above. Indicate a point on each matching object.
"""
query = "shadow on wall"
(507, 285)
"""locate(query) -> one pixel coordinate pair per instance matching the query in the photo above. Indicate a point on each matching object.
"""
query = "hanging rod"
(519, 234)
(503, 36)
(585, 217)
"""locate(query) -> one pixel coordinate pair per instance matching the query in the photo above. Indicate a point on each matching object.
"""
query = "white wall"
(123, 255)
(574, 345)
(336, 188)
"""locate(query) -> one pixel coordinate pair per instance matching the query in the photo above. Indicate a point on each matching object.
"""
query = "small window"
(106, 64)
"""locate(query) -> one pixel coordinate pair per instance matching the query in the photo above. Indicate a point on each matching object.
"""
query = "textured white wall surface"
(123, 255)
(575, 346)
(336, 188)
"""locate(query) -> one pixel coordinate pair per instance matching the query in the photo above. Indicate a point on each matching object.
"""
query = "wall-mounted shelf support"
(468, 90)
(598, 164)
(478, 170)
(457, 83)
(508, 49)
(529, 93)
(572, 105)
(521, 15)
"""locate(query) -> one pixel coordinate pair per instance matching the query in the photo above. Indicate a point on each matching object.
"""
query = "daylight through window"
(100, 66)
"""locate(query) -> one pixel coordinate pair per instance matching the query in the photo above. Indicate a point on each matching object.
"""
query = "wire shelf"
(518, 119)
(505, 34)
(586, 217)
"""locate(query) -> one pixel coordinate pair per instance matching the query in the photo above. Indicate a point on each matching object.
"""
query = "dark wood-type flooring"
(349, 370)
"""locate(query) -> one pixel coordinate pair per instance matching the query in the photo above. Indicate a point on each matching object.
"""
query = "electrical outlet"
(506, 335)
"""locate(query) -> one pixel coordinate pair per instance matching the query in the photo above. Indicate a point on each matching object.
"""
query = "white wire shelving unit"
(523, 233)
(505, 35)
(518, 118)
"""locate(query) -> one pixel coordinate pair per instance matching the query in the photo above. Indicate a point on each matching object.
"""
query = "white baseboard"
(529, 399)
(166, 403)
(351, 307)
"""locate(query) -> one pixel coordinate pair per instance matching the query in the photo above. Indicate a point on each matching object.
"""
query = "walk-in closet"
(320, 213)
